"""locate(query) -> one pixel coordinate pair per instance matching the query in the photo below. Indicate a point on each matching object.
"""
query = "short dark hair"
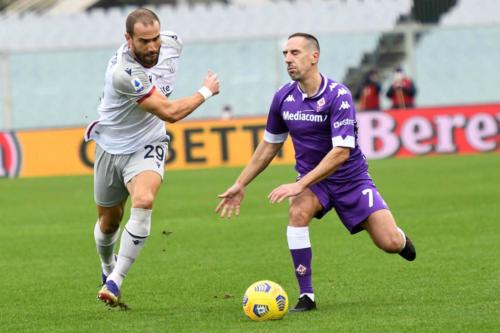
(142, 15)
(309, 37)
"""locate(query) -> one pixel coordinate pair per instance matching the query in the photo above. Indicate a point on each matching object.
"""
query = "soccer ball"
(265, 300)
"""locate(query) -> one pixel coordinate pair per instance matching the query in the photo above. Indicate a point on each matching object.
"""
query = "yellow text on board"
(194, 144)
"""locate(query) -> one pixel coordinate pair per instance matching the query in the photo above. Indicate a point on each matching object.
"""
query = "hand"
(284, 191)
(231, 201)
(211, 81)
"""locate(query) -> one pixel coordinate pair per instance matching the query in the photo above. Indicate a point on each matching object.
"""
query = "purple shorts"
(353, 201)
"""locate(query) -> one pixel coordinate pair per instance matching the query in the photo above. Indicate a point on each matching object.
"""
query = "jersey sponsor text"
(317, 118)
(343, 122)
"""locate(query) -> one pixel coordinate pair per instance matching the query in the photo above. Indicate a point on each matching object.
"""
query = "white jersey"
(123, 126)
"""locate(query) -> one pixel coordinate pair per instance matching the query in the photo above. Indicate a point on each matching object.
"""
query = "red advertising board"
(444, 130)
(215, 143)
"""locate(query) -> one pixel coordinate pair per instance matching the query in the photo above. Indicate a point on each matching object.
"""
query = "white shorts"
(113, 172)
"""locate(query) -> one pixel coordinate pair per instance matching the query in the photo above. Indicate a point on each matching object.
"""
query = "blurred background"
(53, 53)
(53, 56)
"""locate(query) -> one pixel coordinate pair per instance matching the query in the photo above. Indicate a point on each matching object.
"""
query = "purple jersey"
(317, 124)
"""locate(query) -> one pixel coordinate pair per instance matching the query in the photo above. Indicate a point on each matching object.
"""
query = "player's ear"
(315, 57)
(129, 39)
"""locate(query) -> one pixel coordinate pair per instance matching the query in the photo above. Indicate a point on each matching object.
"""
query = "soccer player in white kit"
(131, 140)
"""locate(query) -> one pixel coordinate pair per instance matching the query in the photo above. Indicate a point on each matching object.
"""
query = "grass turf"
(195, 267)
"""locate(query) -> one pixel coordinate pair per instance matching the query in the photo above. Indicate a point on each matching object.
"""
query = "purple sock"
(302, 263)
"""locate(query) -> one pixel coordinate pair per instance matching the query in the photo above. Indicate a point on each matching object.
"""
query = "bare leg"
(387, 236)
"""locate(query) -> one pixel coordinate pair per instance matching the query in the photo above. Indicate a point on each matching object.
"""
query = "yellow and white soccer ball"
(265, 300)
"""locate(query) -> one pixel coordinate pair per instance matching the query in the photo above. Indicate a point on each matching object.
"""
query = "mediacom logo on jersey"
(317, 118)
(10, 155)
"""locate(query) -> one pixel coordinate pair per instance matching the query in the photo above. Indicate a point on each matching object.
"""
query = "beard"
(148, 59)
(294, 74)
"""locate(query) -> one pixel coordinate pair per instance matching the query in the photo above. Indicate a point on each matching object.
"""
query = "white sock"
(311, 296)
(134, 236)
(298, 237)
(404, 238)
(105, 244)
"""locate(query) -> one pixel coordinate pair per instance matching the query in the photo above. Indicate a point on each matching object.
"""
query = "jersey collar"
(321, 90)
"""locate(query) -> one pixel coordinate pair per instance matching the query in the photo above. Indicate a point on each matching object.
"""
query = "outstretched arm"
(175, 110)
(328, 165)
(233, 196)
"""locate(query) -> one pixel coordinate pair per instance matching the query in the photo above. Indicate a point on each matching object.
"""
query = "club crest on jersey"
(137, 84)
(320, 104)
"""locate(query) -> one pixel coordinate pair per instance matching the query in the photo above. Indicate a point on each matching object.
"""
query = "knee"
(109, 224)
(143, 200)
(392, 243)
(109, 220)
(298, 217)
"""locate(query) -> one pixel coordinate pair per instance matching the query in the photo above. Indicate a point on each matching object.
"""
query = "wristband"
(205, 92)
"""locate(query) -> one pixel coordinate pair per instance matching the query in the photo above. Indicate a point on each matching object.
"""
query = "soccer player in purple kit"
(319, 115)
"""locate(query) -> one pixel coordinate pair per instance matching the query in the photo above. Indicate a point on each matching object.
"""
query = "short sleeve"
(343, 119)
(171, 39)
(276, 129)
(132, 82)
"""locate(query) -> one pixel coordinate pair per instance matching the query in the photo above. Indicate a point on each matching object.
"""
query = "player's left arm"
(328, 165)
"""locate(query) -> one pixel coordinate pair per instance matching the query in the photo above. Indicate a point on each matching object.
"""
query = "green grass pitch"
(195, 267)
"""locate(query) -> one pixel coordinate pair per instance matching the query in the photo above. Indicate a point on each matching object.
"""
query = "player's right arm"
(233, 196)
(174, 110)
(132, 81)
(274, 137)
